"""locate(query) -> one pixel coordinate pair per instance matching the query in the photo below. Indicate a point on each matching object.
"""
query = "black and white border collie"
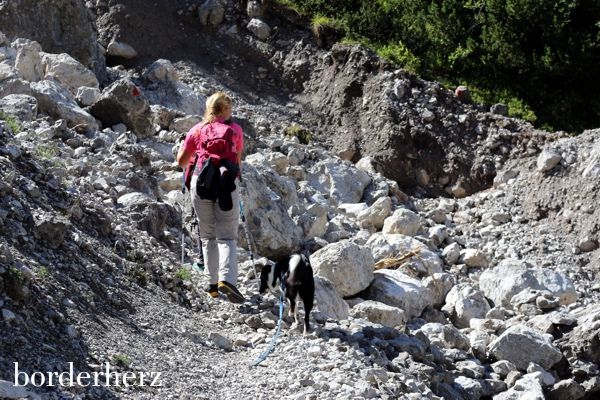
(298, 284)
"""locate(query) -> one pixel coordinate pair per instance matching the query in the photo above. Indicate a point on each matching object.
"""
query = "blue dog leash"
(263, 357)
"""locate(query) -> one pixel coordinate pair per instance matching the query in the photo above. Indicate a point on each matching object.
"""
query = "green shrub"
(183, 274)
(14, 126)
(400, 56)
(538, 56)
(298, 131)
(121, 360)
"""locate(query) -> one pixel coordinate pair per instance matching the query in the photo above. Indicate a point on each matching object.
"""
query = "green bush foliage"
(540, 56)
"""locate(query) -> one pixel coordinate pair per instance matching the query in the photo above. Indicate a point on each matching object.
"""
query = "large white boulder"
(69, 72)
(342, 182)
(313, 222)
(376, 214)
(161, 71)
(177, 96)
(379, 313)
(29, 60)
(522, 345)
(328, 300)
(56, 102)
(123, 102)
(396, 289)
(510, 277)
(402, 221)
(273, 232)
(349, 266)
(278, 186)
(464, 303)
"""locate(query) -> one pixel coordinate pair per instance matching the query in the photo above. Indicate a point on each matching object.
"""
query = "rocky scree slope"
(120, 194)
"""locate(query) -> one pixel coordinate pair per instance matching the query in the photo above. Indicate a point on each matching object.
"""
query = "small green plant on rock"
(298, 131)
(11, 122)
(43, 275)
(183, 274)
(121, 360)
(139, 275)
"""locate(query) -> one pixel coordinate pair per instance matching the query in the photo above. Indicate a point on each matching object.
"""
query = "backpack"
(218, 143)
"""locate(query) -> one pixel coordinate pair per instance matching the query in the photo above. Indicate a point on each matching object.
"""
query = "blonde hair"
(215, 106)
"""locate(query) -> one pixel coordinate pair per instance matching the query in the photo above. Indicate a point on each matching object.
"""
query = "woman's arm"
(183, 157)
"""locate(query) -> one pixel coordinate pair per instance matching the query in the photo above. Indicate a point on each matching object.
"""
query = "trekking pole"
(183, 217)
(248, 239)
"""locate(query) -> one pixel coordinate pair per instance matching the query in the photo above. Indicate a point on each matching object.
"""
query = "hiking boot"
(212, 290)
(232, 293)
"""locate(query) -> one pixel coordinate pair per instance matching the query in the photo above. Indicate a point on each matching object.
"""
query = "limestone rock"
(29, 60)
(521, 345)
(54, 101)
(14, 86)
(123, 102)
(525, 389)
(328, 300)
(19, 106)
(274, 233)
(592, 164)
(211, 12)
(504, 177)
(548, 159)
(473, 258)
(259, 28)
(59, 26)
(9, 391)
(347, 265)
(341, 182)
(161, 71)
(568, 389)
(52, 229)
(119, 49)
(396, 289)
(313, 222)
(185, 124)
(510, 277)
(177, 96)
(499, 109)
(402, 221)
(451, 253)
(464, 303)
(220, 341)
(69, 72)
(255, 8)
(376, 214)
(379, 313)
(87, 96)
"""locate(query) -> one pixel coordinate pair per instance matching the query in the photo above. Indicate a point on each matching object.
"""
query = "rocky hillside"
(455, 250)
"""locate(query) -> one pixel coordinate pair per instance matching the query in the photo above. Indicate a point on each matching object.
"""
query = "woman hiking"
(218, 144)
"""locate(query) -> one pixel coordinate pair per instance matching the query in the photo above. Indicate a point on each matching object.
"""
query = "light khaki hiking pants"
(218, 231)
